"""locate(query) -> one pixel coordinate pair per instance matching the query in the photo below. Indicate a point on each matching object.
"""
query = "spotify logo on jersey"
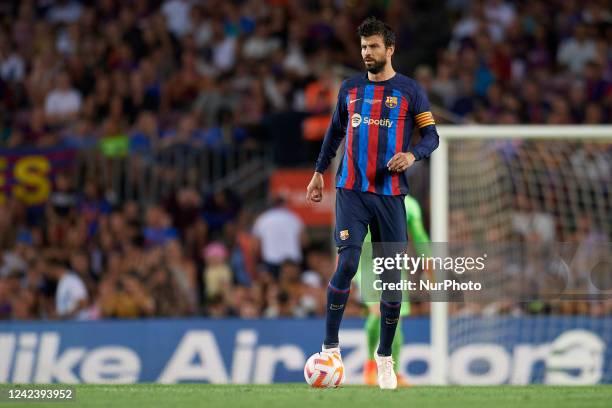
(356, 121)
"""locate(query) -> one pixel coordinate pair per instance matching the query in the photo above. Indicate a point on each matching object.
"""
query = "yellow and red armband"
(424, 119)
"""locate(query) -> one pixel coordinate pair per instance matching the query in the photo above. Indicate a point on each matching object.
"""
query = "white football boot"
(334, 355)
(334, 352)
(387, 380)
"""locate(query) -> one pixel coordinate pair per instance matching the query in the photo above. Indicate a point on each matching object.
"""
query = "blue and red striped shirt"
(377, 119)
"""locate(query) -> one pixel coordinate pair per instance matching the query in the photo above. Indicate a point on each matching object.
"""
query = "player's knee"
(349, 259)
(392, 306)
(348, 262)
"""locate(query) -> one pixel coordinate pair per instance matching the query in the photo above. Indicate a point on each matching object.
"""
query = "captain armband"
(424, 119)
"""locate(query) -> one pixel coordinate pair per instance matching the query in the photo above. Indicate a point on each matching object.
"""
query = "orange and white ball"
(324, 370)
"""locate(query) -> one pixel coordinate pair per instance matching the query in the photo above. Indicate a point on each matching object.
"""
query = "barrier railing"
(149, 177)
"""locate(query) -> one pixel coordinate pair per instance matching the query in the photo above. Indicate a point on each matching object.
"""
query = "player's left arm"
(424, 121)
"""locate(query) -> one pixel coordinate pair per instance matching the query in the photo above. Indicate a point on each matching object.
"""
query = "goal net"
(540, 199)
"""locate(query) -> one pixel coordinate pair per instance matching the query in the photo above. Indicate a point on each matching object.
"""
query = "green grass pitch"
(300, 395)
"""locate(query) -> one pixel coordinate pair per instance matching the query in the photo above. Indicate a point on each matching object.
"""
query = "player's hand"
(400, 162)
(314, 191)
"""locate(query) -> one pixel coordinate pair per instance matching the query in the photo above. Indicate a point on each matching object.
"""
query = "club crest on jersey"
(391, 102)
(344, 234)
(355, 120)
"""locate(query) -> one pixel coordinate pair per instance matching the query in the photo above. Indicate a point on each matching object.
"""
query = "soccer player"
(417, 233)
(376, 112)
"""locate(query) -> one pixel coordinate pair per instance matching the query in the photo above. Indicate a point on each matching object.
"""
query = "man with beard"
(376, 112)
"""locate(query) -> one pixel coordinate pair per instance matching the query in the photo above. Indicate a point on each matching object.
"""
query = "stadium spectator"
(242, 257)
(181, 274)
(170, 298)
(126, 298)
(219, 208)
(217, 274)
(64, 11)
(13, 261)
(13, 66)
(63, 102)
(185, 208)
(71, 297)
(6, 307)
(576, 51)
(280, 235)
(158, 230)
(145, 134)
(177, 16)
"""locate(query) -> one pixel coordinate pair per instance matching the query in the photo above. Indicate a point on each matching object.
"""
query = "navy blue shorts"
(356, 210)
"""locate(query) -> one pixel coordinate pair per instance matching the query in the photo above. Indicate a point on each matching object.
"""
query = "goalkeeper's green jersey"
(418, 235)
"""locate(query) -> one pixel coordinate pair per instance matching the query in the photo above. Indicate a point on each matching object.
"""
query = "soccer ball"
(324, 370)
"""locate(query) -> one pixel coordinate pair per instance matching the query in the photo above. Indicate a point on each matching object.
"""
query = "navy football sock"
(338, 293)
(389, 316)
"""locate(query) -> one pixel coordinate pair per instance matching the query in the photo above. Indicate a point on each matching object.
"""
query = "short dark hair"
(55, 261)
(373, 26)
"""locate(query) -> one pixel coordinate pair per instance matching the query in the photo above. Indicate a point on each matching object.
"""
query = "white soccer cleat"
(338, 376)
(334, 352)
(387, 380)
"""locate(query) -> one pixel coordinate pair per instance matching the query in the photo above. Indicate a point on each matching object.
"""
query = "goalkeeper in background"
(416, 230)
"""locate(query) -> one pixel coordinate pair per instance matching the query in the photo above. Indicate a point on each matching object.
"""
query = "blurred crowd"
(76, 72)
(142, 75)
(83, 258)
(519, 62)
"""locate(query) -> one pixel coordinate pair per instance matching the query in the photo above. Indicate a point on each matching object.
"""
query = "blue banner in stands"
(554, 350)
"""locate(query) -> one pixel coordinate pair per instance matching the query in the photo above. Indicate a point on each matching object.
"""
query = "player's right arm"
(333, 137)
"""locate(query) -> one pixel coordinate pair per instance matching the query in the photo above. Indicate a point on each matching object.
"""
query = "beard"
(376, 66)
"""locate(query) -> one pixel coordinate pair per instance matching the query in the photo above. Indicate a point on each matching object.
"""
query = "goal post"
(443, 164)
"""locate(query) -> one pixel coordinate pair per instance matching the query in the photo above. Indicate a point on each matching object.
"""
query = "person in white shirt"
(71, 296)
(577, 51)
(281, 234)
(63, 103)
(64, 11)
(12, 67)
(177, 16)
(499, 12)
